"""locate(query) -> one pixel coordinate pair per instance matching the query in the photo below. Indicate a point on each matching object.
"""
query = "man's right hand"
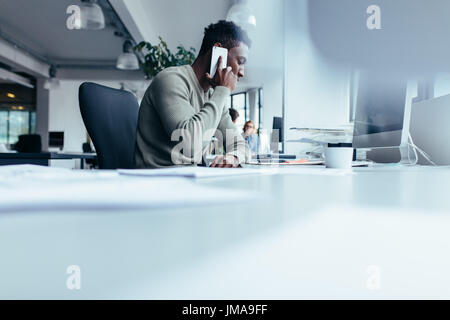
(223, 77)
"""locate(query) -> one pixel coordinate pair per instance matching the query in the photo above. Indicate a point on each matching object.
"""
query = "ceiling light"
(127, 60)
(241, 14)
(91, 15)
(11, 95)
(51, 83)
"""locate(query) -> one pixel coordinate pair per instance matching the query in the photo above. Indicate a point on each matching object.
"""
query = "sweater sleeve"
(170, 96)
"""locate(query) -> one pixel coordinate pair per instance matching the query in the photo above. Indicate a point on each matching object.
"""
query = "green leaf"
(158, 57)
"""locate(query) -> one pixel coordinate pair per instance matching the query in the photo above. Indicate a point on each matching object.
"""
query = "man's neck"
(200, 67)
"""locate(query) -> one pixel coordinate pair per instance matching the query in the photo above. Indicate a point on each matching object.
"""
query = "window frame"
(8, 125)
(246, 111)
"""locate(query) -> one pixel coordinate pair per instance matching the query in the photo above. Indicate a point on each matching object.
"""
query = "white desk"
(312, 236)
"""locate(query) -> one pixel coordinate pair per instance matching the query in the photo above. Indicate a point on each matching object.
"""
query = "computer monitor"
(430, 130)
(277, 135)
(380, 111)
(278, 127)
(56, 139)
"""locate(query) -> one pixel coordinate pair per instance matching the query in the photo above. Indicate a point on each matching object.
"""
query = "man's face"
(237, 58)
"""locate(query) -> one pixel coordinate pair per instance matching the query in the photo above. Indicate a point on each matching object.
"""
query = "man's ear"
(217, 44)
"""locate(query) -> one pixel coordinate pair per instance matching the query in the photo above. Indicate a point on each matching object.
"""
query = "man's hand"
(227, 161)
(223, 77)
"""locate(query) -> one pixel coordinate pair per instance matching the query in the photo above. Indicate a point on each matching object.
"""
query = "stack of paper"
(196, 172)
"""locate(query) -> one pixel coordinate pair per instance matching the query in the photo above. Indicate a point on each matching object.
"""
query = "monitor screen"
(278, 127)
(56, 139)
(380, 111)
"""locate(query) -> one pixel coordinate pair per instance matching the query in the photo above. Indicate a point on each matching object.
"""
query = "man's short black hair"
(227, 33)
(234, 114)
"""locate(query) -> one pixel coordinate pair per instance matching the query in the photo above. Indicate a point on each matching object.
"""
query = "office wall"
(177, 22)
(266, 59)
(316, 91)
(441, 85)
(64, 114)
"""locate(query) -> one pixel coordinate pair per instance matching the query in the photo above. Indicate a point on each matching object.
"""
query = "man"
(184, 107)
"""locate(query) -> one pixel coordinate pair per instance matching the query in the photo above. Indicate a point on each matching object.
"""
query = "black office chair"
(110, 117)
(29, 143)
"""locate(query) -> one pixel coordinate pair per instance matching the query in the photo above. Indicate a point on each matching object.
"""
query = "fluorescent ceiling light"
(51, 83)
(127, 60)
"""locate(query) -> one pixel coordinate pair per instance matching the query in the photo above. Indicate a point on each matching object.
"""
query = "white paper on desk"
(275, 168)
(36, 189)
(195, 172)
(33, 175)
(313, 170)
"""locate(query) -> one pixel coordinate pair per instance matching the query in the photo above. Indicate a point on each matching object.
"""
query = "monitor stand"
(408, 157)
(391, 155)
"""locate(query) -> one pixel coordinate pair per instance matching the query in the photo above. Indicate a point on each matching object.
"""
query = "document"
(196, 172)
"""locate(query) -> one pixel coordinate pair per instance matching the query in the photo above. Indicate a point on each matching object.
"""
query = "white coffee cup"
(338, 157)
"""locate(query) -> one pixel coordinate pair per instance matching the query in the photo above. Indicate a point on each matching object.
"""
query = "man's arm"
(170, 97)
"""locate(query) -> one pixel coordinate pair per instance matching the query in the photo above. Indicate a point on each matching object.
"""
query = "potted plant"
(158, 57)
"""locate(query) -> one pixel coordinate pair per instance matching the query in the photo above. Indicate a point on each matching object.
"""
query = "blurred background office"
(293, 78)
(44, 59)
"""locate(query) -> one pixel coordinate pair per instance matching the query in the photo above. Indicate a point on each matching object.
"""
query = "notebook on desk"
(306, 162)
(282, 156)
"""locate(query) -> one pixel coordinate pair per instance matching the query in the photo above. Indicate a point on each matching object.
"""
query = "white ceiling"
(177, 22)
(41, 26)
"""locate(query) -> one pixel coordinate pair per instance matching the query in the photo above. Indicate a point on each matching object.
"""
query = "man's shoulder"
(176, 74)
(170, 81)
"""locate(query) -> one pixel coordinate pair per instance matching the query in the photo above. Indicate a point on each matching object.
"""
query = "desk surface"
(48, 155)
(374, 233)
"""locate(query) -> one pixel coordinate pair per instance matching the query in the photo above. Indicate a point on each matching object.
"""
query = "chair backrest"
(29, 143)
(110, 117)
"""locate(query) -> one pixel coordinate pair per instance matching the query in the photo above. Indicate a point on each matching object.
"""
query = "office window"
(18, 125)
(3, 126)
(15, 123)
(17, 112)
(241, 102)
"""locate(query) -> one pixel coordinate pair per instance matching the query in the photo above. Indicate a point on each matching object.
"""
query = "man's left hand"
(227, 161)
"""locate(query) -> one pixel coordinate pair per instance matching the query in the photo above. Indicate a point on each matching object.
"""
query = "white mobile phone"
(216, 53)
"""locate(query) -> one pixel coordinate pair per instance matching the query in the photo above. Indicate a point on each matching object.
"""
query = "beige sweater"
(177, 120)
